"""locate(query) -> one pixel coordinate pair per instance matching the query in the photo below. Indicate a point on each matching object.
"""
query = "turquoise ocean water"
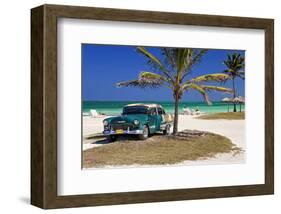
(115, 107)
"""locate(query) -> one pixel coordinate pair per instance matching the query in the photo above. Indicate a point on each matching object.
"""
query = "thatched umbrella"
(227, 100)
(239, 100)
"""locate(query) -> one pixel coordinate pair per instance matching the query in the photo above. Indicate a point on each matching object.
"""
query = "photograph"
(136, 106)
(162, 106)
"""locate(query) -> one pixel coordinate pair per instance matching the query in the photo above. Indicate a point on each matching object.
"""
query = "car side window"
(152, 111)
(160, 111)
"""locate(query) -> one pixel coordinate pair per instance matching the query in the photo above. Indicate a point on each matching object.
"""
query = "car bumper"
(124, 132)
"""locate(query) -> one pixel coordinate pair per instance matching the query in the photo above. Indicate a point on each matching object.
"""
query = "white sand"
(92, 125)
(232, 129)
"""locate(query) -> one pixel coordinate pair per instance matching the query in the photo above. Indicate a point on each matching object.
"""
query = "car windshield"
(135, 110)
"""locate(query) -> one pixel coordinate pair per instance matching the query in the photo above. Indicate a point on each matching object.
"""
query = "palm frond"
(234, 63)
(198, 56)
(198, 88)
(216, 88)
(193, 57)
(150, 75)
(241, 74)
(146, 80)
(168, 58)
(182, 62)
(154, 61)
(203, 89)
(217, 77)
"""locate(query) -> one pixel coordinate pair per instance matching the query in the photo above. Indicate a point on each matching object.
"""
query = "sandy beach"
(232, 129)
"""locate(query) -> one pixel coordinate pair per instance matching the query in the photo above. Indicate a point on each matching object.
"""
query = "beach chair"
(86, 114)
(187, 111)
(94, 113)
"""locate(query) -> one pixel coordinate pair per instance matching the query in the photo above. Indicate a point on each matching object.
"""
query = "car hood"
(129, 118)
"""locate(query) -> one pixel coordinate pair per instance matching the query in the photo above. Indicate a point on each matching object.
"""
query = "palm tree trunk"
(176, 115)
(234, 94)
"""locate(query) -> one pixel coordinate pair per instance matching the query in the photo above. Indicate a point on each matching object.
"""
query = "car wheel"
(111, 138)
(167, 130)
(145, 133)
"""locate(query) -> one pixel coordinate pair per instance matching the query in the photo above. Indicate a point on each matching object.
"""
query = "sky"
(105, 65)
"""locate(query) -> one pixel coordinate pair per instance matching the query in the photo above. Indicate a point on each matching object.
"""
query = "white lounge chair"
(187, 111)
(94, 113)
(196, 112)
(86, 114)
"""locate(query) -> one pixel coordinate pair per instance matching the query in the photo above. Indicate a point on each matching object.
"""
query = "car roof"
(149, 105)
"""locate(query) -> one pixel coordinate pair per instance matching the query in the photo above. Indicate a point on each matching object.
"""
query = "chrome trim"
(163, 126)
(112, 132)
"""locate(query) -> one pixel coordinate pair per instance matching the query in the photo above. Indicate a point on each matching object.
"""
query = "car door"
(152, 119)
(160, 118)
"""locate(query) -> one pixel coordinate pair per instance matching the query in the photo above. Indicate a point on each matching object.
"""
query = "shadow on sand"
(122, 138)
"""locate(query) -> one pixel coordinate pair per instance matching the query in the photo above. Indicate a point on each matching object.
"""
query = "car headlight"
(136, 122)
(105, 122)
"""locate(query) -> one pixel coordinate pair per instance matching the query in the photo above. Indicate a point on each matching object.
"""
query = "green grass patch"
(158, 150)
(226, 116)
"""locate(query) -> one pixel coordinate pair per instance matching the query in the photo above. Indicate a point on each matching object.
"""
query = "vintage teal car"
(138, 119)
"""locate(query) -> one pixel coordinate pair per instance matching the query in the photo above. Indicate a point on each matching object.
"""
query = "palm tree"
(173, 71)
(235, 64)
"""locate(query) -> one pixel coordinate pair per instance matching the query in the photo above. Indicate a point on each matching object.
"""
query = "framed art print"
(139, 106)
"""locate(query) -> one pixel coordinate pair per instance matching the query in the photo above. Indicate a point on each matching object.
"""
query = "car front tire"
(145, 133)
